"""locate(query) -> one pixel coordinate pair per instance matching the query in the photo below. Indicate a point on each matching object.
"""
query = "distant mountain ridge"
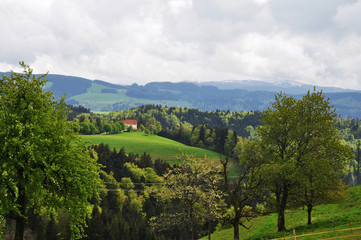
(209, 96)
(290, 87)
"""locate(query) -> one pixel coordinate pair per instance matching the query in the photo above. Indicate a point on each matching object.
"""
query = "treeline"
(175, 119)
(172, 117)
(350, 128)
(90, 123)
(220, 140)
(125, 207)
(124, 210)
(214, 130)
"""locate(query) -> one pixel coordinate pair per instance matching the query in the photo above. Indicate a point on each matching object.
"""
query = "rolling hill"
(156, 146)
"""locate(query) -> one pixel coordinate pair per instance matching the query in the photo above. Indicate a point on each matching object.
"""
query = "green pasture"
(96, 100)
(330, 221)
(158, 147)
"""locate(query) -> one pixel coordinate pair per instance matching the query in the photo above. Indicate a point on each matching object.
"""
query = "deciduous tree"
(44, 164)
(299, 139)
(245, 189)
(189, 195)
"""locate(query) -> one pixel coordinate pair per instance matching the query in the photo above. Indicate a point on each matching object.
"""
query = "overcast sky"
(125, 41)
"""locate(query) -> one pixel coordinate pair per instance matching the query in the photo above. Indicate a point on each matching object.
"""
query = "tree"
(189, 195)
(153, 125)
(230, 142)
(130, 128)
(321, 156)
(45, 165)
(141, 128)
(107, 128)
(358, 162)
(246, 189)
(299, 139)
(84, 128)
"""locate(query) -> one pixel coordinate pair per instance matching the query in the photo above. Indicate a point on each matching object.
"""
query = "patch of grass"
(328, 221)
(158, 147)
(98, 101)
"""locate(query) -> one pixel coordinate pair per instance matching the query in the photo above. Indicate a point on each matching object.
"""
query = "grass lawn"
(329, 222)
(158, 147)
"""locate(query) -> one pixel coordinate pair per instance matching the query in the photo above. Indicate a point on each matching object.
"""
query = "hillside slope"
(329, 220)
(156, 146)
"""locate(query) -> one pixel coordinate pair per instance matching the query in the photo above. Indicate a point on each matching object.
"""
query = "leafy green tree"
(130, 128)
(121, 126)
(230, 143)
(92, 128)
(299, 139)
(107, 128)
(246, 188)
(279, 123)
(84, 128)
(153, 125)
(321, 155)
(189, 195)
(45, 165)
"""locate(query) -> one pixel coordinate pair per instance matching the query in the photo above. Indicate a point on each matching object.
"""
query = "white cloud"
(175, 40)
(348, 17)
(178, 5)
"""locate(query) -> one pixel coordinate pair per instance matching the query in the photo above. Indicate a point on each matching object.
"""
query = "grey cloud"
(306, 15)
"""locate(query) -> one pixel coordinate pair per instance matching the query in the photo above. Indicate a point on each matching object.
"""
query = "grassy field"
(158, 147)
(98, 101)
(330, 221)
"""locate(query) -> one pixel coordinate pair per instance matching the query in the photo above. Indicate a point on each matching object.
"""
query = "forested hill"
(176, 120)
(234, 96)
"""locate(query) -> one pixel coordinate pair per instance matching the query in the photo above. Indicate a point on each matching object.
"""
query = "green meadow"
(158, 147)
(330, 221)
(96, 100)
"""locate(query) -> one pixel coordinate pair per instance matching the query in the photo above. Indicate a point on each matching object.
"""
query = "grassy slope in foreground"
(158, 147)
(326, 218)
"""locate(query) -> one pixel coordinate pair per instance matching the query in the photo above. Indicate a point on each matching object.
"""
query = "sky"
(314, 42)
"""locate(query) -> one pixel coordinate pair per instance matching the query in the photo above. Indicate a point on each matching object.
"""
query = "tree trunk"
(191, 235)
(281, 209)
(191, 232)
(236, 231)
(309, 210)
(281, 220)
(209, 230)
(20, 218)
(19, 230)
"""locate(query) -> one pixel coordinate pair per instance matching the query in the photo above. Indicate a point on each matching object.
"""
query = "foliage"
(153, 125)
(188, 195)
(301, 144)
(45, 166)
(171, 118)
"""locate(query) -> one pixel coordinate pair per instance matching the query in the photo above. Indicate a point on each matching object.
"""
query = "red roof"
(130, 122)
